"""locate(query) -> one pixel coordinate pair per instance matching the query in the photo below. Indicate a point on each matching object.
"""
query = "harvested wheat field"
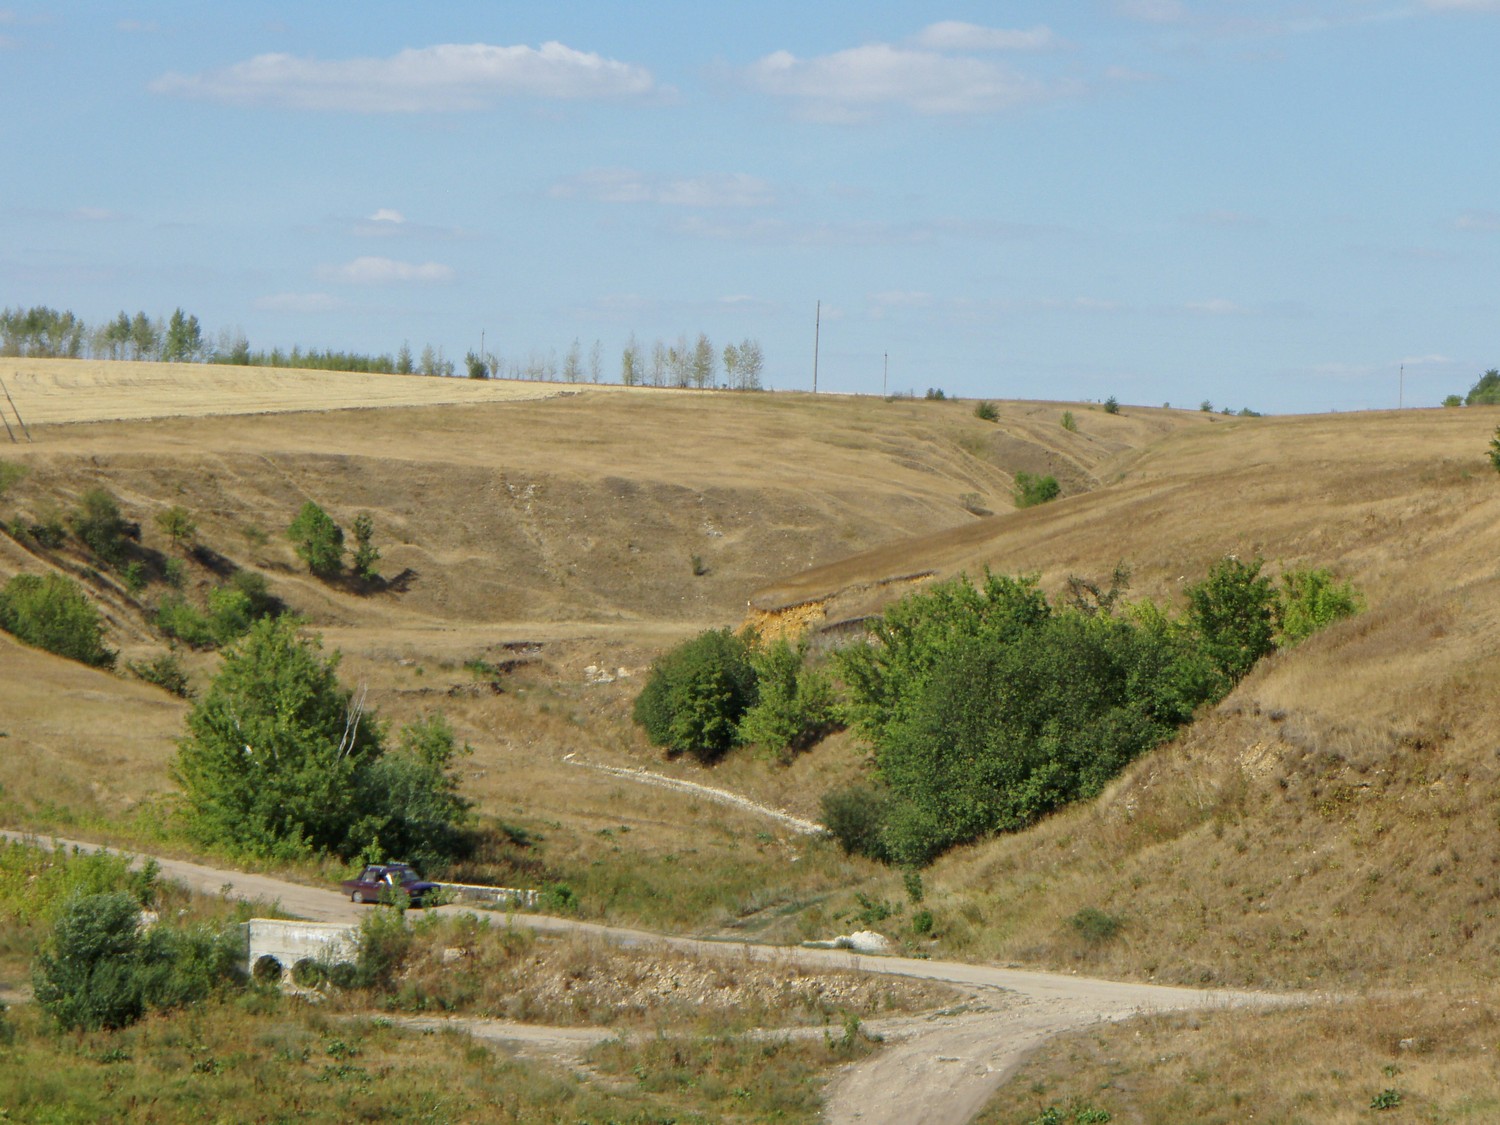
(1329, 825)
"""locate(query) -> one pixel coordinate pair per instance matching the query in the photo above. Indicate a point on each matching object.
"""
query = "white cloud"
(848, 85)
(955, 35)
(449, 76)
(298, 302)
(385, 271)
(387, 215)
(95, 215)
(621, 185)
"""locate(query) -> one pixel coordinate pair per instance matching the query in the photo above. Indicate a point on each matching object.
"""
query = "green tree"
(1486, 392)
(751, 362)
(1111, 405)
(703, 362)
(986, 412)
(1233, 610)
(476, 366)
(696, 695)
(53, 613)
(366, 554)
(404, 364)
(631, 370)
(1495, 450)
(272, 761)
(319, 541)
(98, 522)
(413, 800)
(184, 339)
(178, 525)
(145, 337)
(794, 702)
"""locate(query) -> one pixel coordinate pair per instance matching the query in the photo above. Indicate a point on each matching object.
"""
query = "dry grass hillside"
(1331, 824)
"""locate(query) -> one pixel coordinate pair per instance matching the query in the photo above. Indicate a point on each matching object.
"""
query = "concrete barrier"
(471, 892)
(290, 942)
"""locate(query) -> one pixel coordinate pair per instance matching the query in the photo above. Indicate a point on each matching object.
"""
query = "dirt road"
(937, 1069)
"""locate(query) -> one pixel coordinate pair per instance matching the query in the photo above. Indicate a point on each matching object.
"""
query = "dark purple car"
(376, 882)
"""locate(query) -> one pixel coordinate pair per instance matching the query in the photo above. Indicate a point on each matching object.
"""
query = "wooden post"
(19, 419)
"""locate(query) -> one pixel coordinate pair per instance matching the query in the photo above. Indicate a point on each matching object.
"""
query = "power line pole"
(817, 331)
(1401, 390)
(885, 374)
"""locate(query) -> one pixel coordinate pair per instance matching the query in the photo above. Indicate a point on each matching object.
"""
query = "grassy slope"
(1330, 823)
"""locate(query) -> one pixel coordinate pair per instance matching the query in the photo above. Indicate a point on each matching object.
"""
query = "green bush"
(1312, 599)
(794, 704)
(1111, 405)
(165, 672)
(413, 800)
(1094, 925)
(1494, 453)
(100, 525)
(10, 474)
(856, 818)
(1453, 400)
(987, 708)
(986, 412)
(48, 529)
(1032, 490)
(182, 621)
(1068, 422)
(87, 975)
(1233, 610)
(53, 613)
(696, 695)
(318, 541)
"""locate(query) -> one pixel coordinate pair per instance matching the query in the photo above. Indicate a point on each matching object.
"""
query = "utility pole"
(817, 331)
(1401, 390)
(885, 374)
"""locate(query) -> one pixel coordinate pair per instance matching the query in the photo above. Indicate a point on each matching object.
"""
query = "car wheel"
(357, 896)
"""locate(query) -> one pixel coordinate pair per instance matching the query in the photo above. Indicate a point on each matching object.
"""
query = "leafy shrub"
(794, 703)
(134, 576)
(696, 695)
(181, 621)
(1111, 405)
(1068, 422)
(267, 970)
(987, 708)
(1032, 490)
(856, 817)
(986, 412)
(559, 898)
(1094, 925)
(177, 524)
(98, 969)
(935, 394)
(309, 972)
(318, 541)
(413, 798)
(1453, 400)
(1312, 599)
(86, 975)
(922, 922)
(48, 529)
(99, 524)
(53, 613)
(1494, 453)
(165, 672)
(1233, 610)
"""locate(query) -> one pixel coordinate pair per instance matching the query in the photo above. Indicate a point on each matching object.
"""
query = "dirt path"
(722, 796)
(937, 1069)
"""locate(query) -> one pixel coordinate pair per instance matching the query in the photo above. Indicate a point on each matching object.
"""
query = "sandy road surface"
(937, 1069)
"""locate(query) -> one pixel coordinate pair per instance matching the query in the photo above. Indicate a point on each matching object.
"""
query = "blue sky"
(1274, 204)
